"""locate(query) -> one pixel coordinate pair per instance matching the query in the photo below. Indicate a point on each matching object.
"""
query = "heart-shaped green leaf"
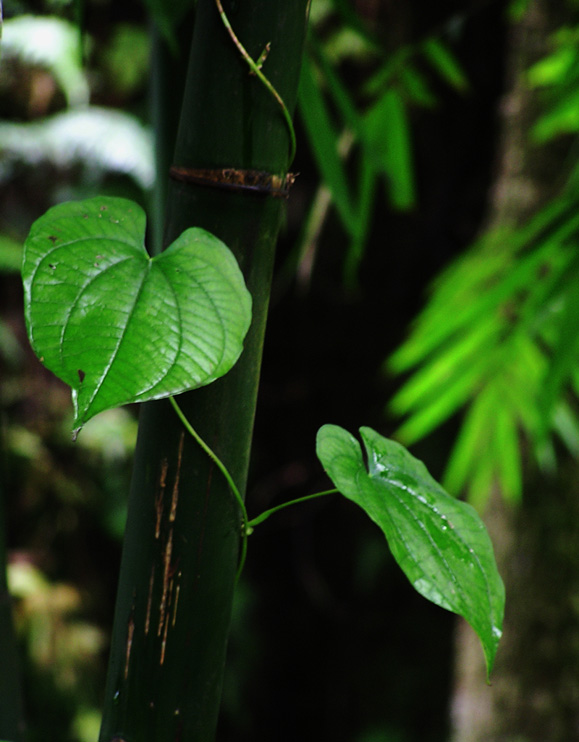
(119, 326)
(440, 543)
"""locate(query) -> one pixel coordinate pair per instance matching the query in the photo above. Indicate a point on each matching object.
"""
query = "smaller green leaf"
(440, 543)
(10, 255)
(505, 441)
(126, 58)
(324, 142)
(167, 16)
(472, 440)
(438, 408)
(444, 62)
(320, 11)
(563, 118)
(414, 84)
(565, 354)
(118, 326)
(339, 92)
(516, 9)
(441, 370)
(387, 138)
(475, 286)
(566, 423)
(348, 43)
(367, 184)
(481, 480)
(553, 69)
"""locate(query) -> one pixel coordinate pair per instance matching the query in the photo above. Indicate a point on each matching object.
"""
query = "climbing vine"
(118, 326)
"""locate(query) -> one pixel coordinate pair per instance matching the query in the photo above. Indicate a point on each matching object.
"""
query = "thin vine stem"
(255, 68)
(247, 525)
(223, 469)
(266, 513)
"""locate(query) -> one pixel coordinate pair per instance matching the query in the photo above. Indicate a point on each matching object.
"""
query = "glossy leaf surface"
(439, 542)
(118, 326)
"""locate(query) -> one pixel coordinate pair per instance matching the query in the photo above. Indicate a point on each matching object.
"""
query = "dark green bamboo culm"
(183, 532)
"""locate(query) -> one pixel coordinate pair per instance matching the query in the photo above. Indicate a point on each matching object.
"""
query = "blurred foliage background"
(401, 133)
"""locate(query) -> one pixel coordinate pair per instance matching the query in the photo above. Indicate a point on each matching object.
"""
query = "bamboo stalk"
(182, 537)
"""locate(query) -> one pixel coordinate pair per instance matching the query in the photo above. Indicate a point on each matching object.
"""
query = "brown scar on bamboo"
(176, 603)
(149, 601)
(166, 580)
(130, 633)
(164, 642)
(175, 495)
(174, 590)
(159, 498)
(168, 571)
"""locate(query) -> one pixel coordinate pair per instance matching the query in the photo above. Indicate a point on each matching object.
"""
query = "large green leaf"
(439, 542)
(118, 326)
(324, 141)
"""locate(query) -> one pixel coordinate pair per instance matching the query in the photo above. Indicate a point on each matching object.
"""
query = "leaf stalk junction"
(247, 525)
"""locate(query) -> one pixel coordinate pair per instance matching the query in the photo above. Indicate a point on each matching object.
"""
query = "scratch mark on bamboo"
(159, 498)
(164, 642)
(176, 603)
(149, 601)
(175, 495)
(130, 633)
(166, 579)
(168, 568)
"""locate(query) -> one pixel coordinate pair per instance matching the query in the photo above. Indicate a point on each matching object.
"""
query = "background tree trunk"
(11, 712)
(534, 695)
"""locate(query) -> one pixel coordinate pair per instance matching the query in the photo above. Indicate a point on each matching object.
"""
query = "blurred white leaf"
(52, 43)
(98, 138)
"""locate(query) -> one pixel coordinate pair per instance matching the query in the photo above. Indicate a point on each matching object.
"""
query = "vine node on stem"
(247, 526)
(255, 69)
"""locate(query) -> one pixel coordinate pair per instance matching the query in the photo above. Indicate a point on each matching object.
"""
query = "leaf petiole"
(266, 513)
(247, 525)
